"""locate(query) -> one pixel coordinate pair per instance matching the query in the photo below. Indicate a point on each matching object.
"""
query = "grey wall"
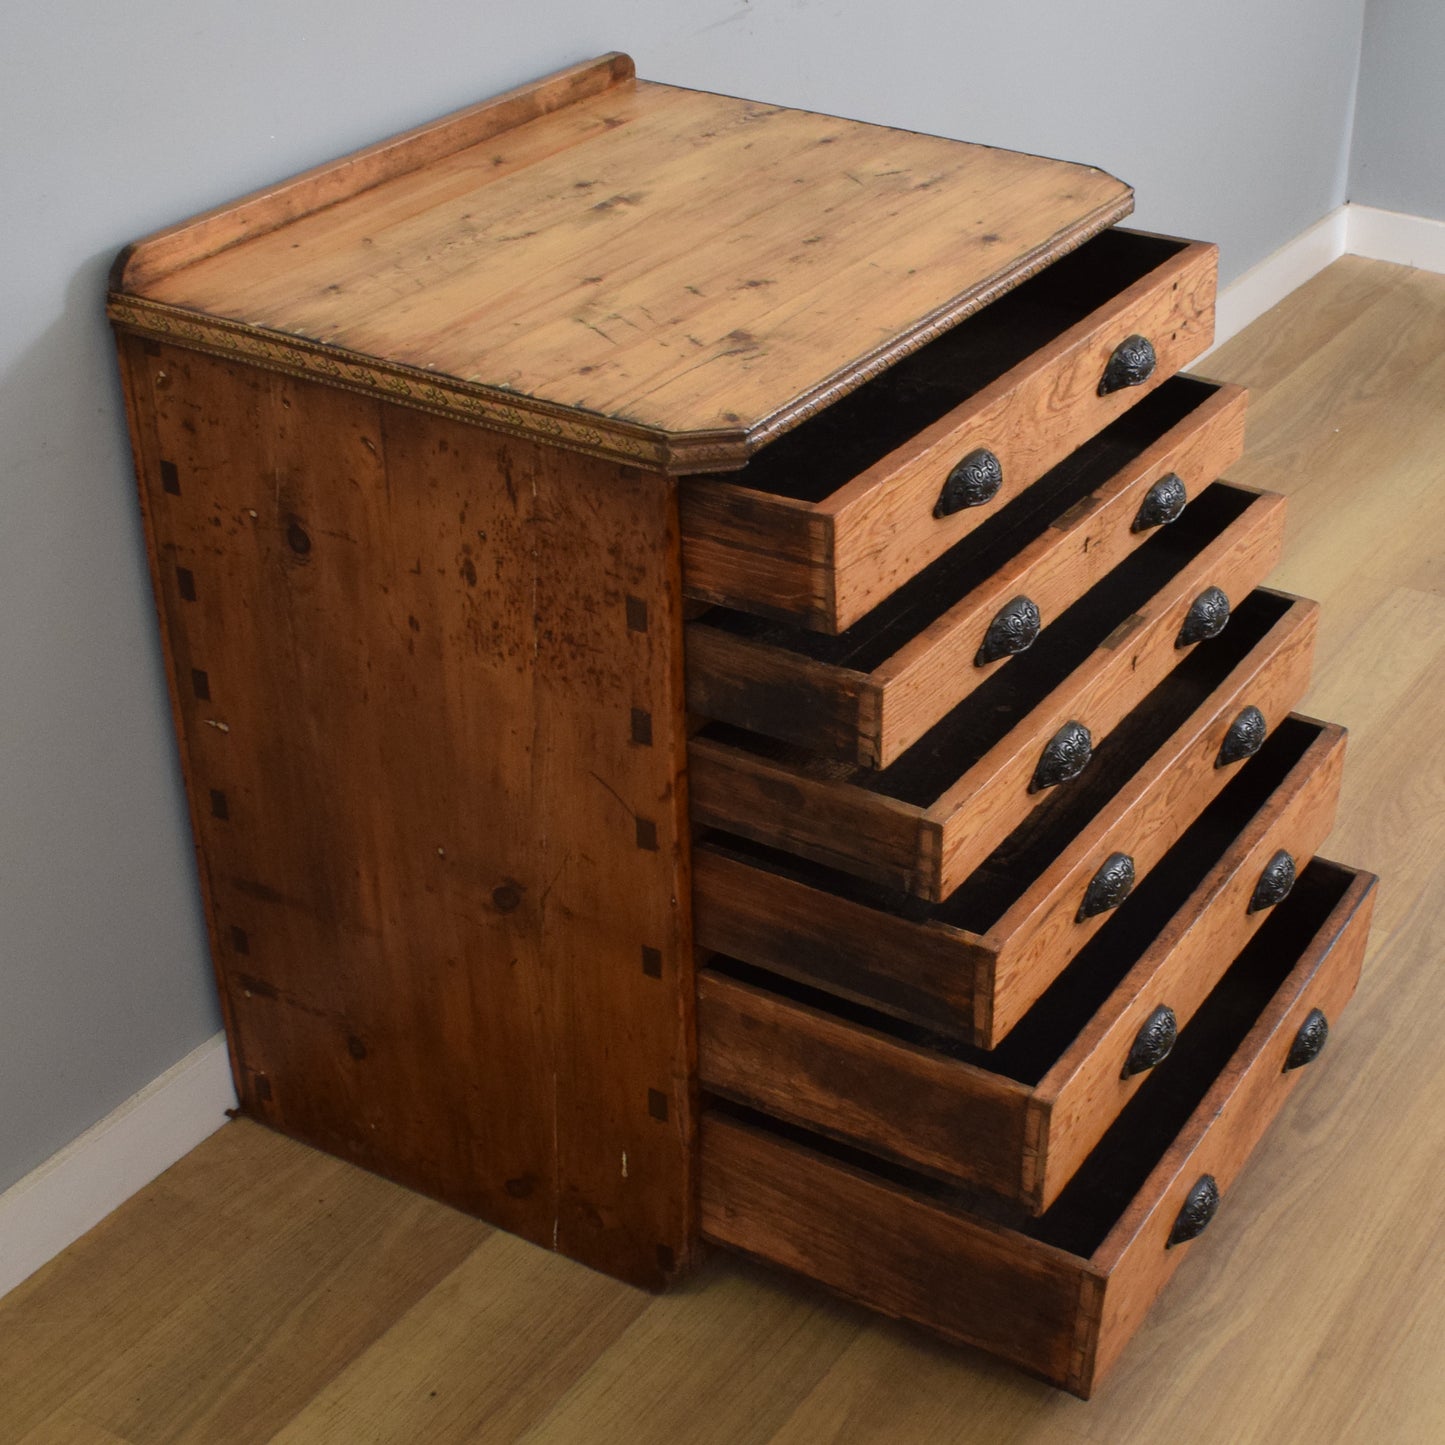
(1398, 161)
(117, 119)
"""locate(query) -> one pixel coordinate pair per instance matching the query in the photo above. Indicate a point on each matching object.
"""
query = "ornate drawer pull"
(1156, 1037)
(1132, 364)
(1162, 503)
(973, 481)
(1066, 756)
(1309, 1042)
(1208, 614)
(1015, 629)
(1274, 883)
(1109, 887)
(1244, 739)
(1199, 1208)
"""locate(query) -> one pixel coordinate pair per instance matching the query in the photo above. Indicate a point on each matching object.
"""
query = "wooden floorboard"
(261, 1291)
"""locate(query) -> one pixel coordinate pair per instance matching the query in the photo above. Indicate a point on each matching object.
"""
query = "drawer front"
(1060, 1312)
(824, 563)
(929, 841)
(855, 1080)
(1224, 1130)
(831, 696)
(976, 981)
(1085, 1091)
(1052, 920)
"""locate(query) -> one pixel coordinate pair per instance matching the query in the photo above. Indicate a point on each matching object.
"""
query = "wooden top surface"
(693, 266)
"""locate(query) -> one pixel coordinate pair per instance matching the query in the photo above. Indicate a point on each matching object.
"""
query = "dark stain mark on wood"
(657, 1104)
(636, 614)
(642, 727)
(263, 891)
(200, 684)
(652, 961)
(507, 897)
(647, 834)
(520, 1188)
(261, 1087)
(296, 538)
(220, 808)
(240, 940)
(170, 479)
(186, 583)
(258, 986)
(355, 1047)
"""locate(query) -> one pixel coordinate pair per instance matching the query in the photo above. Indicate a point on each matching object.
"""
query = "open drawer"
(867, 694)
(927, 821)
(1062, 1294)
(834, 515)
(973, 965)
(1020, 1119)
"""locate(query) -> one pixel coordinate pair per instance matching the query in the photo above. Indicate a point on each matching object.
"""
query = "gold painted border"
(408, 386)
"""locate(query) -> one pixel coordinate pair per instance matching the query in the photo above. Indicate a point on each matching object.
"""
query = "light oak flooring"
(261, 1291)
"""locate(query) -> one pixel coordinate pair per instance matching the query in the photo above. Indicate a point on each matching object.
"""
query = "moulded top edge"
(703, 270)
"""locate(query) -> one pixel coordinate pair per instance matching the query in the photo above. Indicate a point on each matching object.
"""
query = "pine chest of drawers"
(697, 634)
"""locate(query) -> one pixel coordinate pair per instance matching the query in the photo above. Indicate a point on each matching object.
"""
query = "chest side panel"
(428, 686)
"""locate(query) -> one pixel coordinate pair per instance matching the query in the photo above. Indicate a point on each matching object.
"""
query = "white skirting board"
(1264, 285)
(75, 1189)
(1350, 229)
(1390, 236)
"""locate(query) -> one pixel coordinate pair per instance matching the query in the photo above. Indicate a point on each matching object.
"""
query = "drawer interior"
(961, 738)
(1045, 1032)
(1092, 1203)
(817, 457)
(977, 557)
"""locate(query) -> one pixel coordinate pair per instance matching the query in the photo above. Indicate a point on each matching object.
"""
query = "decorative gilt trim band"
(408, 386)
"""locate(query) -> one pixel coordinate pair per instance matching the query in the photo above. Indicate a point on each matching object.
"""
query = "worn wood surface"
(429, 689)
(216, 1283)
(1062, 1316)
(906, 1256)
(147, 261)
(929, 972)
(787, 255)
(977, 983)
(825, 564)
(845, 820)
(885, 1094)
(870, 716)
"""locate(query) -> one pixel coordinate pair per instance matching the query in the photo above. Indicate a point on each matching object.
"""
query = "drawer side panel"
(966, 1279)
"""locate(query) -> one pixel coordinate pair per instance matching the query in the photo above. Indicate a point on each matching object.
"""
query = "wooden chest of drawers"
(698, 640)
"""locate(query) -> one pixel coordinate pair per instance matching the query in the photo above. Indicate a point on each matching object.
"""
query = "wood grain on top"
(698, 268)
